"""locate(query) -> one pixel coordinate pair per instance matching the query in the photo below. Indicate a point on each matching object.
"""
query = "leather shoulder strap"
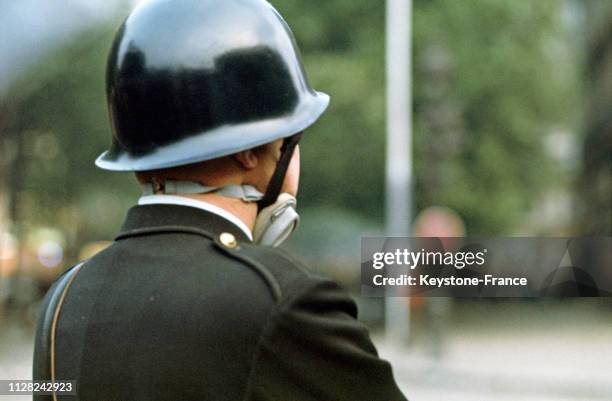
(44, 354)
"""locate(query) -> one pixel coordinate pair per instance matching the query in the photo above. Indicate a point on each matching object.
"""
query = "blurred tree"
(60, 122)
(491, 79)
(595, 184)
(343, 154)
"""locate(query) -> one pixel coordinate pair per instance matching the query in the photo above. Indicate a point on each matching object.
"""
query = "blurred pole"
(399, 149)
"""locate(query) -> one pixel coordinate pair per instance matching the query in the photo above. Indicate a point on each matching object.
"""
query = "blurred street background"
(512, 120)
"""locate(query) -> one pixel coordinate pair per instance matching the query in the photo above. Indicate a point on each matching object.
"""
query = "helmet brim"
(218, 142)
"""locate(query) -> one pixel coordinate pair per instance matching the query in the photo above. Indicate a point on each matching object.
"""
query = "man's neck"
(246, 212)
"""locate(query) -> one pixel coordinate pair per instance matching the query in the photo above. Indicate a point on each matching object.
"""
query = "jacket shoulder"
(281, 271)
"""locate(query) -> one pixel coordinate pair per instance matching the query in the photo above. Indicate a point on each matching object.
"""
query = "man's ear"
(247, 159)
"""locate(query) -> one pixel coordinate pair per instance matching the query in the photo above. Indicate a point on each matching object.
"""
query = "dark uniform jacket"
(171, 312)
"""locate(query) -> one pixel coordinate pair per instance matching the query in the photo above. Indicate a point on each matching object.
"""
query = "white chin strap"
(274, 224)
(247, 193)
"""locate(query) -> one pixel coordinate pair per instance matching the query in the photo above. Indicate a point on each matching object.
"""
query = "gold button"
(228, 240)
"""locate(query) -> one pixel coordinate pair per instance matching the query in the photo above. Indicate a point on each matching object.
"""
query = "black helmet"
(193, 80)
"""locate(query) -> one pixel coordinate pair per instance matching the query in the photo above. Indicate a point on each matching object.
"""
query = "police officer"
(208, 100)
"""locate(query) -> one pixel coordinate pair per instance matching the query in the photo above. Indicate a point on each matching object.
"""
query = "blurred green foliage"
(509, 78)
(61, 112)
(491, 78)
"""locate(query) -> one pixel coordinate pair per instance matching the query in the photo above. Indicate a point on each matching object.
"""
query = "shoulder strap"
(45, 345)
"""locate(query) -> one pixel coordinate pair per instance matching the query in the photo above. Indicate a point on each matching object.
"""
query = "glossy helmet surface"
(193, 80)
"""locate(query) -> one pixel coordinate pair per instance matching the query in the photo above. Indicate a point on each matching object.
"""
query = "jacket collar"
(157, 216)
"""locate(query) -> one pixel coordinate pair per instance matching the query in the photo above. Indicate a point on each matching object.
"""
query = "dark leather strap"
(44, 361)
(276, 182)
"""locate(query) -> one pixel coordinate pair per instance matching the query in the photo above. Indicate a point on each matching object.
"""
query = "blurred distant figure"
(444, 223)
(438, 221)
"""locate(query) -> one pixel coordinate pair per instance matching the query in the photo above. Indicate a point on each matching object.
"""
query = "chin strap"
(276, 215)
(276, 182)
(247, 193)
(274, 223)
